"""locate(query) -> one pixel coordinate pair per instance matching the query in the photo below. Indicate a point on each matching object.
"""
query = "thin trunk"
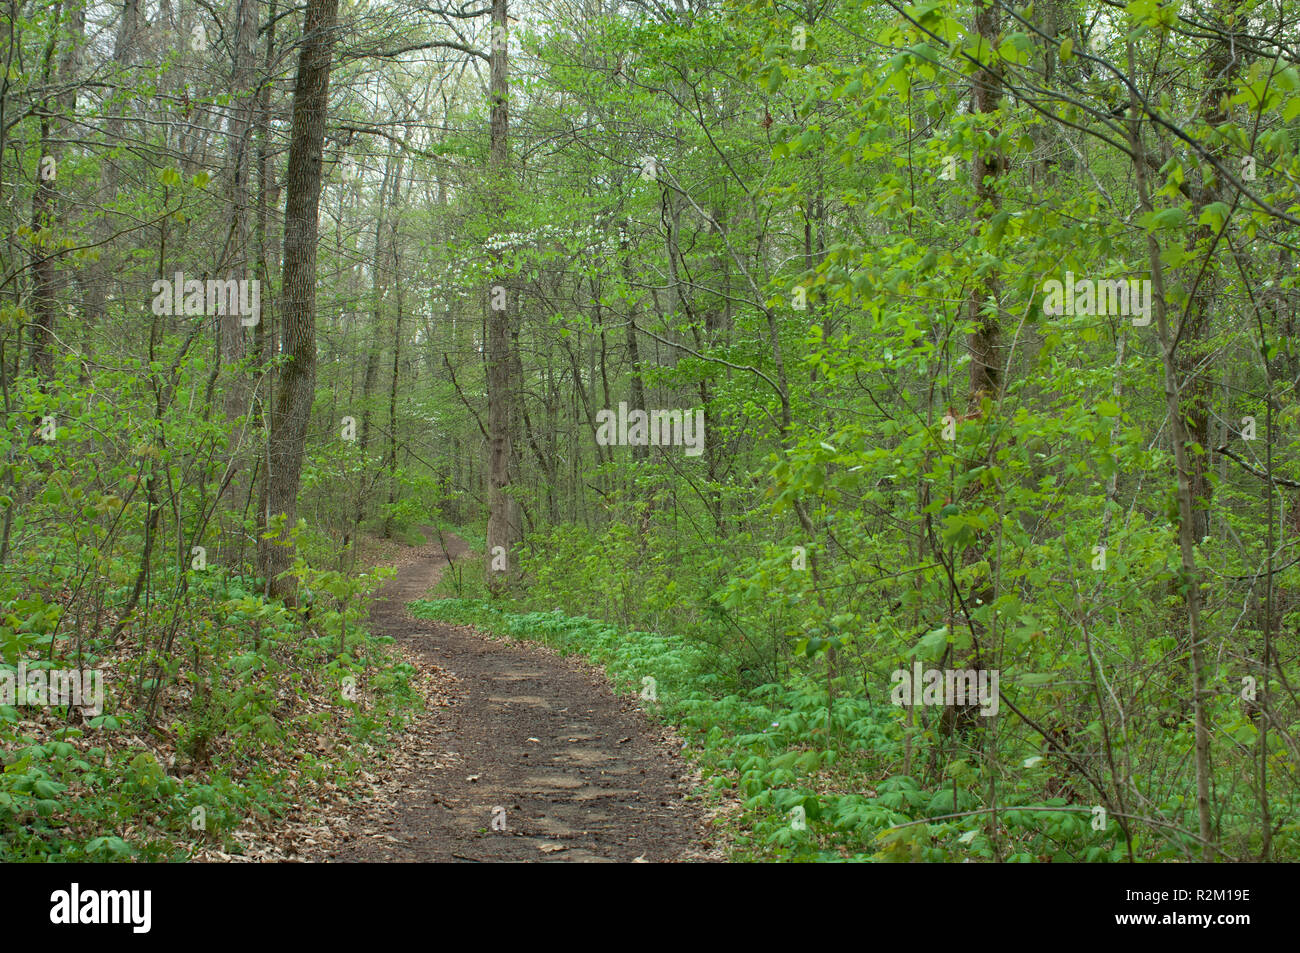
(392, 414)
(983, 313)
(637, 402)
(1190, 581)
(1223, 66)
(378, 290)
(268, 261)
(95, 275)
(44, 203)
(239, 147)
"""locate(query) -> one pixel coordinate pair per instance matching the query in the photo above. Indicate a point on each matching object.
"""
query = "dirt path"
(529, 742)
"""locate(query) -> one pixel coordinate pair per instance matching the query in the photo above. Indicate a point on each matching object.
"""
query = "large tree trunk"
(297, 384)
(499, 535)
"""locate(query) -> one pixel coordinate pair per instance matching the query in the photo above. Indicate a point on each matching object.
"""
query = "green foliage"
(842, 258)
(774, 748)
(249, 676)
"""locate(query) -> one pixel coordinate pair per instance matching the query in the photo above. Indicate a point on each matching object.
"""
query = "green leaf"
(932, 646)
(1214, 215)
(1035, 678)
(1168, 218)
(46, 789)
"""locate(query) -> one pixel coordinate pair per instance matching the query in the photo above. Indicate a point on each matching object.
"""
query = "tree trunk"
(297, 385)
(985, 366)
(499, 536)
(94, 274)
(392, 413)
(637, 401)
(1190, 580)
(268, 261)
(239, 141)
(44, 203)
(1223, 66)
(379, 287)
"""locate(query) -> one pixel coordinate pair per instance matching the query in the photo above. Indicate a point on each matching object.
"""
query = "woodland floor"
(581, 773)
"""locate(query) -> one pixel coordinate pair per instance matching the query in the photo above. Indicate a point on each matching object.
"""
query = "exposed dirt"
(530, 756)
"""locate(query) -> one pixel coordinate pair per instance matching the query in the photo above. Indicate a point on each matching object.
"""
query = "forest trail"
(580, 773)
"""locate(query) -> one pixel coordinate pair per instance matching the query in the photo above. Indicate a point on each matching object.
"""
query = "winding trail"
(533, 758)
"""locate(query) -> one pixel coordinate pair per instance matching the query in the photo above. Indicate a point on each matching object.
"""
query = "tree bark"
(1223, 67)
(637, 401)
(44, 204)
(239, 142)
(297, 384)
(499, 535)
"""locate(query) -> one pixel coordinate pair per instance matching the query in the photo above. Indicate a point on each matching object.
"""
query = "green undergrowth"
(273, 708)
(774, 749)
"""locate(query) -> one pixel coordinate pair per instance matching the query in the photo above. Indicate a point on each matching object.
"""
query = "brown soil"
(526, 756)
